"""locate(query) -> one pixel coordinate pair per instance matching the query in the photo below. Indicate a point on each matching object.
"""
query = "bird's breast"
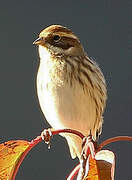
(64, 106)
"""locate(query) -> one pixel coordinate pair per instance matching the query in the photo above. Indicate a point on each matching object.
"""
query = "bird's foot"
(46, 136)
(88, 148)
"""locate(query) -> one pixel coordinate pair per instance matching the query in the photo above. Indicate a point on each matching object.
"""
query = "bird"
(71, 87)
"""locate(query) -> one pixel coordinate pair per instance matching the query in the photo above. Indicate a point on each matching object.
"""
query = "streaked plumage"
(71, 87)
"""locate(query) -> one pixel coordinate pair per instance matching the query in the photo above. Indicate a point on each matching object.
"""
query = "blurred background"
(106, 33)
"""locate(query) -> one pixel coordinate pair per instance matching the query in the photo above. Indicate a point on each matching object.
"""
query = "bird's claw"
(46, 136)
(88, 148)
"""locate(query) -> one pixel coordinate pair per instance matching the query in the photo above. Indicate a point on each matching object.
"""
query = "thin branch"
(114, 139)
(73, 173)
(31, 145)
(54, 132)
(39, 139)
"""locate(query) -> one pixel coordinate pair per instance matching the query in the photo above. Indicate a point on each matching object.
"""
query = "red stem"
(74, 172)
(31, 145)
(54, 132)
(114, 139)
(39, 139)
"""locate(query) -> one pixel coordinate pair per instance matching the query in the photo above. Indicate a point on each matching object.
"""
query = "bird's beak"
(38, 41)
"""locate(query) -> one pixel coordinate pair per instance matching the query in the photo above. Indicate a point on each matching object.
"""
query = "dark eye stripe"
(64, 42)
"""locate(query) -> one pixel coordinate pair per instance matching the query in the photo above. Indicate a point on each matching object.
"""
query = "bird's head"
(59, 40)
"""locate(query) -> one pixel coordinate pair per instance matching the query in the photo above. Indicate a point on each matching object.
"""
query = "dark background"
(104, 30)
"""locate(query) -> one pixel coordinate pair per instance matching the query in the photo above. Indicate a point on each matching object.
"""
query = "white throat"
(43, 54)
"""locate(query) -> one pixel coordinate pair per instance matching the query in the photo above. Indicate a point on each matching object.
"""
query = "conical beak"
(38, 41)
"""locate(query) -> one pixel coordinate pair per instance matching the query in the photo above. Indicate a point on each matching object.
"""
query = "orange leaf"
(93, 171)
(102, 167)
(10, 153)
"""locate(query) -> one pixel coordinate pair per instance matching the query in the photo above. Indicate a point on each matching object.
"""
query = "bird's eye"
(56, 38)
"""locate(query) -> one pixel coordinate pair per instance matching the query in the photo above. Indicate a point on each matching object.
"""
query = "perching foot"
(88, 148)
(46, 136)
